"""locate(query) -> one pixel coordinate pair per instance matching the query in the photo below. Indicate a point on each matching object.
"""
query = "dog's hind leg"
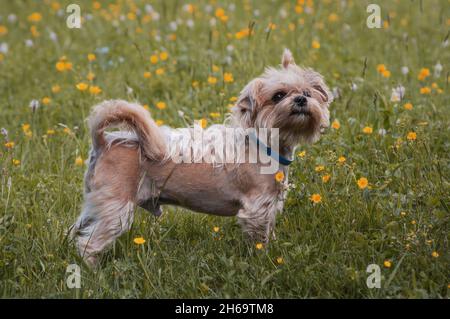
(110, 201)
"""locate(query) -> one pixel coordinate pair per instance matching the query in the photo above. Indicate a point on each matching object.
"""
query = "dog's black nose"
(300, 100)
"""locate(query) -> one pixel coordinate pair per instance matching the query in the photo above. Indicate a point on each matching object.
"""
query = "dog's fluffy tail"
(115, 113)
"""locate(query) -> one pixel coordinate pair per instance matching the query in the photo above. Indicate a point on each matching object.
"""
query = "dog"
(133, 168)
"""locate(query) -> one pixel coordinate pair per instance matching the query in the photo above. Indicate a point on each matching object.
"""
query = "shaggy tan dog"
(134, 167)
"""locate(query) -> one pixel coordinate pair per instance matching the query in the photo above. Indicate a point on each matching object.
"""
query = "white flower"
(208, 8)
(29, 43)
(382, 132)
(438, 69)
(190, 23)
(173, 26)
(256, 13)
(353, 86)
(149, 8)
(155, 16)
(34, 105)
(181, 113)
(12, 18)
(4, 131)
(283, 13)
(129, 90)
(230, 48)
(53, 36)
(445, 44)
(4, 48)
(212, 22)
(398, 93)
(336, 92)
(405, 70)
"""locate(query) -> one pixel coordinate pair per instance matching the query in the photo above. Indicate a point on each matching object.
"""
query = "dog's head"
(290, 98)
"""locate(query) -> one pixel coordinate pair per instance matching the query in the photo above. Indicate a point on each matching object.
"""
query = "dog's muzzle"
(300, 106)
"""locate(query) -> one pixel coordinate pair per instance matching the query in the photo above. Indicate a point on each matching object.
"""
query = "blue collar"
(279, 158)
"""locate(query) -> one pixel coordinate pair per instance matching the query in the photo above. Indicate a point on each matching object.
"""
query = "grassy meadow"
(374, 190)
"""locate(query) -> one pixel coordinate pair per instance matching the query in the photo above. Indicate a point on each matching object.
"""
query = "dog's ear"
(324, 91)
(287, 58)
(318, 84)
(247, 102)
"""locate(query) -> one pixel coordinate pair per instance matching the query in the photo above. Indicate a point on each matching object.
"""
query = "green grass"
(325, 247)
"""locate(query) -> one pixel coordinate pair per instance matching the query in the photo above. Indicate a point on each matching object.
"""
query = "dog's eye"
(277, 97)
(306, 93)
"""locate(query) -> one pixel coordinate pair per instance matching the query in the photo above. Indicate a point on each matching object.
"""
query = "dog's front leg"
(257, 217)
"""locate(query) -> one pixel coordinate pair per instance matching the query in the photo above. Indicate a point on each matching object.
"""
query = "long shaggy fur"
(135, 167)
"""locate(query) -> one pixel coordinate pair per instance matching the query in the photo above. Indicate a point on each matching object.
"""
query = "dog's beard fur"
(256, 108)
(128, 170)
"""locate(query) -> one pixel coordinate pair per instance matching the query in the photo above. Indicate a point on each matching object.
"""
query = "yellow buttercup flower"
(139, 241)
(35, 17)
(51, 132)
(228, 77)
(367, 130)
(9, 145)
(163, 56)
(154, 59)
(3, 30)
(56, 88)
(202, 123)
(326, 178)
(216, 229)
(147, 75)
(341, 159)
(214, 115)
(363, 182)
(408, 106)
(60, 66)
(387, 264)
(301, 154)
(435, 254)
(316, 198)
(82, 86)
(159, 71)
(79, 161)
(90, 76)
(212, 80)
(159, 122)
(279, 176)
(46, 100)
(425, 90)
(280, 260)
(335, 125)
(412, 136)
(381, 68)
(16, 162)
(423, 74)
(161, 105)
(91, 57)
(95, 90)
(319, 168)
(333, 17)
(315, 44)
(259, 246)
(386, 73)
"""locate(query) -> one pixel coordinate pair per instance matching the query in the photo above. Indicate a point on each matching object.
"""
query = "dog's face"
(290, 98)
